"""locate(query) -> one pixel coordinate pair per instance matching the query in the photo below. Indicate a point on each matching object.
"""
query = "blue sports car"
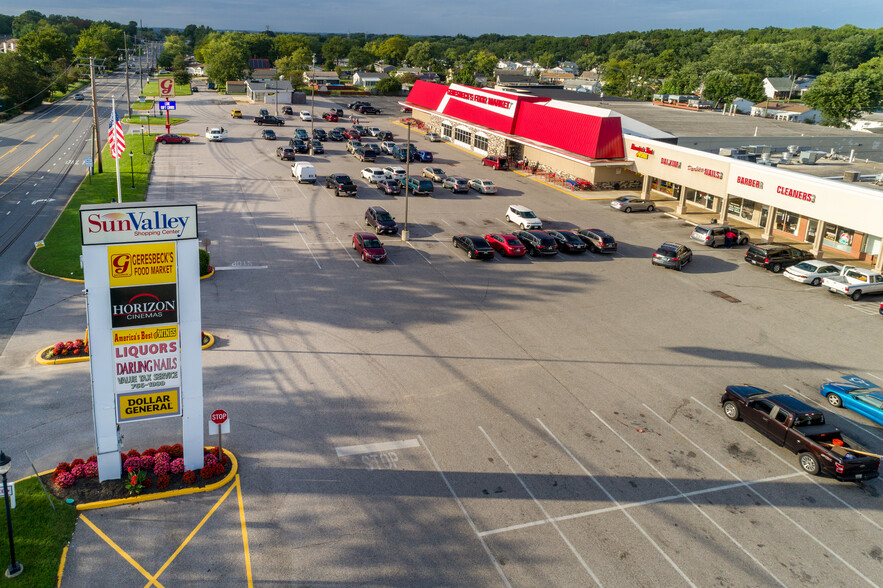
(856, 394)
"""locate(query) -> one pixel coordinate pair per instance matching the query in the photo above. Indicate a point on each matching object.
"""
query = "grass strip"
(39, 532)
(63, 246)
(153, 120)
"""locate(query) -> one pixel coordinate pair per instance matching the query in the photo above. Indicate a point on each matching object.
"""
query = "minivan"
(303, 172)
(715, 235)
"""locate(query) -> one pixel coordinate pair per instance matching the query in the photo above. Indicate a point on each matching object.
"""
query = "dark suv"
(597, 240)
(382, 221)
(776, 257)
(537, 242)
(285, 153)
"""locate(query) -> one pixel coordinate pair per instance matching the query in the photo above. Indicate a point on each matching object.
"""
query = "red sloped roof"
(427, 94)
(592, 136)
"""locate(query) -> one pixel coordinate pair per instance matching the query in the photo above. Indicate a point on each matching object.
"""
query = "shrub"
(78, 471)
(147, 462)
(163, 482)
(77, 462)
(219, 469)
(93, 459)
(150, 451)
(135, 484)
(164, 449)
(210, 460)
(207, 472)
(189, 477)
(133, 453)
(65, 480)
(162, 456)
(133, 463)
(146, 483)
(61, 468)
(177, 451)
(161, 468)
(177, 466)
(204, 258)
(90, 469)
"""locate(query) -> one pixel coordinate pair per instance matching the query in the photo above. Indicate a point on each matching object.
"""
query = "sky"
(566, 18)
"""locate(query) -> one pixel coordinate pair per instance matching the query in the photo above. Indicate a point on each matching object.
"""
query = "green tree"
(359, 57)
(179, 70)
(6, 24)
(226, 59)
(389, 85)
(720, 86)
(394, 49)
(26, 22)
(850, 52)
(334, 48)
(842, 97)
(99, 40)
(20, 83)
(45, 45)
(587, 61)
(420, 54)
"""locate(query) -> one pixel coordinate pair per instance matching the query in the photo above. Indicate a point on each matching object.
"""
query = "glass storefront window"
(463, 136)
(839, 237)
(787, 222)
(480, 143)
(741, 208)
(811, 228)
(446, 130)
(664, 187)
(701, 198)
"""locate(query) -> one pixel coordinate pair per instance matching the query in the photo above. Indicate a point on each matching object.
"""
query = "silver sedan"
(630, 203)
(812, 271)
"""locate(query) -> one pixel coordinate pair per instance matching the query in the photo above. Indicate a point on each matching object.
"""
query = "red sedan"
(506, 244)
(330, 116)
(369, 247)
(352, 134)
(172, 138)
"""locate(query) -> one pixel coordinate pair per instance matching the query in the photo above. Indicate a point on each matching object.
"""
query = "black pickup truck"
(269, 120)
(820, 448)
(341, 184)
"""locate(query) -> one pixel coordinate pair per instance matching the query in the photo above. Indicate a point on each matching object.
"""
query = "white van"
(303, 172)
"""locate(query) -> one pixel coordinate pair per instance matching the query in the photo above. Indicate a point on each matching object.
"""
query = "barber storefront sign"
(139, 406)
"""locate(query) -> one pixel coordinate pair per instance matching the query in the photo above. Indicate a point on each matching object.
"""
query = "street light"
(132, 166)
(407, 177)
(142, 138)
(312, 99)
(14, 568)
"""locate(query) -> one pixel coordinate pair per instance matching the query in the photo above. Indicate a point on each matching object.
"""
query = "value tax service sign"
(141, 265)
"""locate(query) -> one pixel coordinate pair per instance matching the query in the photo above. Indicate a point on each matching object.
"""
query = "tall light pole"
(312, 99)
(407, 178)
(14, 568)
(126, 57)
(132, 166)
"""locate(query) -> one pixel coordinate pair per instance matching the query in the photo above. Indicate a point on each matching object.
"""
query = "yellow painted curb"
(211, 340)
(58, 360)
(234, 467)
(61, 566)
(208, 275)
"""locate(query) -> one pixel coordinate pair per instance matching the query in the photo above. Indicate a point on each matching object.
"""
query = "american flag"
(115, 137)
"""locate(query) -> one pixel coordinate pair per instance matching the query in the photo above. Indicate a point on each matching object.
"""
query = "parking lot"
(436, 420)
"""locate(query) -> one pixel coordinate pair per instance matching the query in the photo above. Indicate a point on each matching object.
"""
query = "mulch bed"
(87, 490)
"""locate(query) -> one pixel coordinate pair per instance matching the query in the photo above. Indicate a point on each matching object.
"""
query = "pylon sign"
(166, 88)
(141, 266)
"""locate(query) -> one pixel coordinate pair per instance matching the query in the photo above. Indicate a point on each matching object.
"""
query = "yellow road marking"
(65, 112)
(153, 579)
(17, 146)
(244, 532)
(15, 171)
(119, 550)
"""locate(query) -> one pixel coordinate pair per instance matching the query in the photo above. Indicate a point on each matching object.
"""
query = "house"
(507, 78)
(480, 80)
(258, 64)
(403, 71)
(568, 67)
(321, 78)
(196, 69)
(787, 111)
(264, 73)
(236, 87)
(590, 75)
(779, 88)
(429, 76)
(367, 79)
(381, 67)
(581, 85)
(8, 44)
(269, 91)
(742, 105)
(555, 77)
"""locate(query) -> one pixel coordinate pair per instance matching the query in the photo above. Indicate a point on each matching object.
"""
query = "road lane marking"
(348, 450)
(244, 532)
(618, 505)
(345, 250)
(307, 244)
(469, 520)
(764, 498)
(17, 146)
(15, 171)
(544, 511)
(240, 267)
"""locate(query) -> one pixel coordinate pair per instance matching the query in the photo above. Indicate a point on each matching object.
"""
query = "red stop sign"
(219, 417)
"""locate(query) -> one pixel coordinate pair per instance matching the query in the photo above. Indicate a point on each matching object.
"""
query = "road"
(441, 421)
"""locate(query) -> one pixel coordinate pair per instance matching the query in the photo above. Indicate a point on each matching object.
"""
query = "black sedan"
(475, 247)
(298, 145)
(672, 255)
(316, 147)
(567, 242)
(320, 134)
(538, 242)
(268, 135)
(391, 187)
(335, 136)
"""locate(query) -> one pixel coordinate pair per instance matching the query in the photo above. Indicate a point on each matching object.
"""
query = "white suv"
(523, 217)
(394, 172)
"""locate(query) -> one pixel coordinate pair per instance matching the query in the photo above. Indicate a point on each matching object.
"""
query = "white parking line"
(307, 244)
(341, 244)
(466, 514)
(543, 510)
(418, 252)
(764, 498)
(375, 447)
(616, 503)
(793, 467)
(860, 426)
(688, 499)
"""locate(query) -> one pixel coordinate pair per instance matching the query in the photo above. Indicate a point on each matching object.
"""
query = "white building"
(367, 79)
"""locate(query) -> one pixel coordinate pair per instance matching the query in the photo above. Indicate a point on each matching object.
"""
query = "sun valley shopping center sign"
(141, 266)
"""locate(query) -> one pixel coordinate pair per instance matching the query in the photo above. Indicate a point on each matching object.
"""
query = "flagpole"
(113, 103)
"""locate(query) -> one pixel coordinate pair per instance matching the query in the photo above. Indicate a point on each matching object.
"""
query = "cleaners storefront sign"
(137, 406)
(146, 359)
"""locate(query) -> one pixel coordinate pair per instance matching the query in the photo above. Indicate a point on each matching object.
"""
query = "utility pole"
(140, 55)
(97, 154)
(126, 57)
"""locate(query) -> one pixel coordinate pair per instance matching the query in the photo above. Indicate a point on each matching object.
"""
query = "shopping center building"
(580, 141)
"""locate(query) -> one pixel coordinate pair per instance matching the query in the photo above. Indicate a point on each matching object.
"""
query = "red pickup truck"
(802, 429)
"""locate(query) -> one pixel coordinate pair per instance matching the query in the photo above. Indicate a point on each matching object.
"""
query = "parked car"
(352, 134)
(387, 147)
(298, 145)
(301, 134)
(320, 134)
(264, 112)
(373, 174)
(474, 246)
(394, 172)
(368, 109)
(537, 242)
(483, 186)
(305, 116)
(381, 220)
(369, 247)
(352, 145)
(330, 116)
(597, 240)
(630, 203)
(268, 135)
(855, 282)
(285, 153)
(373, 131)
(672, 255)
(316, 147)
(775, 258)
(436, 174)
(424, 156)
(384, 136)
(361, 130)
(715, 235)
(497, 162)
(406, 109)
(567, 241)
(800, 428)
(419, 186)
(812, 271)
(171, 138)
(236, 113)
(506, 244)
(456, 184)
(355, 103)
(287, 110)
(304, 171)
(373, 147)
(523, 217)
(857, 395)
(336, 136)
(78, 96)
(390, 187)
(269, 120)
(363, 154)
(433, 137)
(341, 184)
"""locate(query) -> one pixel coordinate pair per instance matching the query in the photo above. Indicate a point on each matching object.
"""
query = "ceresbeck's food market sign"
(131, 224)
